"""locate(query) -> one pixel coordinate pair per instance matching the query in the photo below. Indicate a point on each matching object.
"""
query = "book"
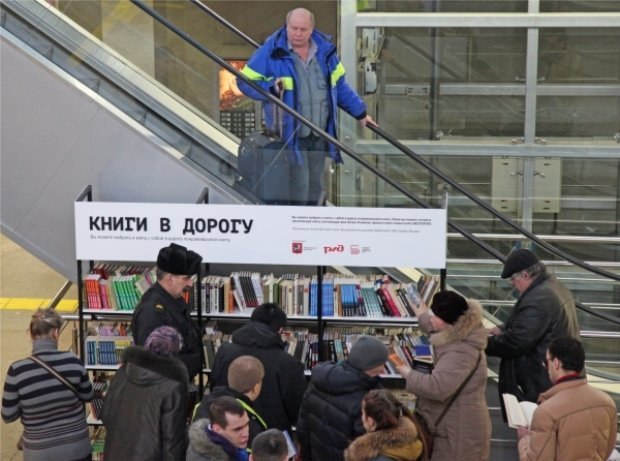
(394, 358)
(518, 413)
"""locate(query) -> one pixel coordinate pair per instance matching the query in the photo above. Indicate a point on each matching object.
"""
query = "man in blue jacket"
(300, 65)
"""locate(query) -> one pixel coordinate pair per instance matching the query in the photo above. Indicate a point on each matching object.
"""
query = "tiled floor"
(25, 284)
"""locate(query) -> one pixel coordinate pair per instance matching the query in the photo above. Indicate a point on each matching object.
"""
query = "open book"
(518, 413)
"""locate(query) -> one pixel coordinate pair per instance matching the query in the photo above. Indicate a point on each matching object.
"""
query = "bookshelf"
(321, 304)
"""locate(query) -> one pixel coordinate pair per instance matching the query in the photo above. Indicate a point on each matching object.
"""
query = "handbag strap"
(454, 396)
(56, 374)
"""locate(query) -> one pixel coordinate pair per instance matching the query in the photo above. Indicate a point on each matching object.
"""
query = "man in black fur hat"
(164, 304)
(545, 310)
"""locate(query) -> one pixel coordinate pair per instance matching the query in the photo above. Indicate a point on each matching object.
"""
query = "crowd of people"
(261, 407)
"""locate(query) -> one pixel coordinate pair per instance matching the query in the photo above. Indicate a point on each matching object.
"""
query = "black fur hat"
(178, 260)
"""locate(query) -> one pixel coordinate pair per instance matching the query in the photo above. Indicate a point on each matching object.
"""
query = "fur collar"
(372, 444)
(166, 366)
(201, 443)
(466, 323)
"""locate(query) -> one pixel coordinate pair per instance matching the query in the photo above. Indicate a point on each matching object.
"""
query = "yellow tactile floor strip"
(67, 305)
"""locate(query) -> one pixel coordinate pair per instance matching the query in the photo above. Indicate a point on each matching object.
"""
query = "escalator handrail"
(158, 17)
(481, 244)
(434, 170)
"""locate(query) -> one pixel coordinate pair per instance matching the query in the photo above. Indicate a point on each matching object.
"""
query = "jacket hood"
(337, 379)
(257, 335)
(400, 443)
(146, 368)
(200, 442)
(467, 328)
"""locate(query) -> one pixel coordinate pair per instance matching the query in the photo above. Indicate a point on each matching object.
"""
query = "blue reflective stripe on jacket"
(273, 61)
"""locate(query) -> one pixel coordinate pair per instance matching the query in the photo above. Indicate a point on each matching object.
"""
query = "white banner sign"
(254, 234)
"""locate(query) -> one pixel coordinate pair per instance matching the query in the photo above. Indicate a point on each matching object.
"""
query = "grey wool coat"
(464, 433)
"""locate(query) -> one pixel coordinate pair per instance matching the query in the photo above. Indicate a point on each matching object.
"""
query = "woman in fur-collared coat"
(390, 432)
(459, 339)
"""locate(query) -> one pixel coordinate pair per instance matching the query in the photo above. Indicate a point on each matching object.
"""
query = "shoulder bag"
(427, 433)
(59, 377)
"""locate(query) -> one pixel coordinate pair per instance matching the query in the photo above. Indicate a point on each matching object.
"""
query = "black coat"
(158, 308)
(330, 415)
(220, 391)
(145, 408)
(544, 311)
(284, 383)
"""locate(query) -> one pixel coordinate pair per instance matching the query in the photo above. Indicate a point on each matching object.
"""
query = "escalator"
(116, 127)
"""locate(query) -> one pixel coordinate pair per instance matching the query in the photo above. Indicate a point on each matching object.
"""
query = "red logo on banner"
(298, 248)
(355, 250)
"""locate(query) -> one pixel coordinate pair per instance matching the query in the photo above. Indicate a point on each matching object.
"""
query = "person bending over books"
(284, 383)
(452, 397)
(331, 413)
(545, 310)
(144, 411)
(573, 421)
(164, 304)
(245, 380)
(391, 434)
(223, 436)
(51, 408)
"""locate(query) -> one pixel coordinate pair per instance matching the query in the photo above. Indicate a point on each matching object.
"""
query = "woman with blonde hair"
(47, 391)
(390, 432)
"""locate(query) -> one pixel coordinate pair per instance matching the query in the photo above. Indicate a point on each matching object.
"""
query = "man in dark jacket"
(245, 380)
(330, 415)
(164, 304)
(145, 407)
(544, 311)
(284, 382)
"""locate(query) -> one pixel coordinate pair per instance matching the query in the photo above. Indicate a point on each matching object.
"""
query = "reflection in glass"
(444, 6)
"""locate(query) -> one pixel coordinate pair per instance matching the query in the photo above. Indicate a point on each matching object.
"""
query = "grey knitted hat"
(368, 352)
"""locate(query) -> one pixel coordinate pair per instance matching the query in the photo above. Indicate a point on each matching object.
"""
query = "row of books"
(100, 385)
(106, 350)
(117, 287)
(370, 296)
(97, 444)
(408, 347)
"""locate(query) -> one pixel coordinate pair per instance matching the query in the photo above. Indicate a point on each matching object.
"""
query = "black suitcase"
(264, 167)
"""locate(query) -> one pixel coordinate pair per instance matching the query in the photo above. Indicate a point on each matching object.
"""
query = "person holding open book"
(573, 421)
(452, 397)
(545, 310)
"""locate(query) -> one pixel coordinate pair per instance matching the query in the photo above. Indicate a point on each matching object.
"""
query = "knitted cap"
(164, 341)
(517, 261)
(368, 352)
(178, 260)
(449, 306)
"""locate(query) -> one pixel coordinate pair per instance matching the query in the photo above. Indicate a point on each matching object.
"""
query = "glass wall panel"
(452, 81)
(444, 6)
(585, 6)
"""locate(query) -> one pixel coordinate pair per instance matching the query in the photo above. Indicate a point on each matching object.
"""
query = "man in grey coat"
(545, 310)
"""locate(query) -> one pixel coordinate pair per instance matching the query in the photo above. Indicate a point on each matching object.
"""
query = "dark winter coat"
(203, 448)
(145, 408)
(544, 311)
(256, 426)
(330, 415)
(464, 433)
(158, 308)
(284, 382)
(400, 443)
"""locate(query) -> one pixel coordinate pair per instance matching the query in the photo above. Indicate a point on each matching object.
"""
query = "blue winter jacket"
(274, 61)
